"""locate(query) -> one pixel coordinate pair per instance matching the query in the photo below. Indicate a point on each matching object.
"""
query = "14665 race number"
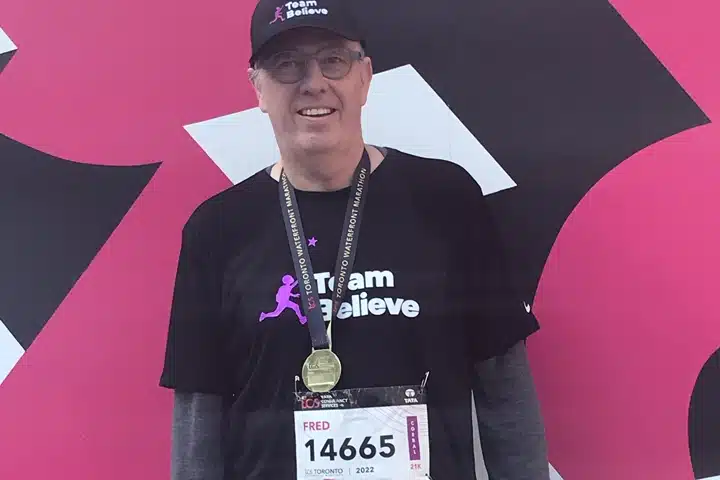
(349, 450)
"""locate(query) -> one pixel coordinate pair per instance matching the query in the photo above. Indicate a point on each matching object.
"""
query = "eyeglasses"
(292, 66)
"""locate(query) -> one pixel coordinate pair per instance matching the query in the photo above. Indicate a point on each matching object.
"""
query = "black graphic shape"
(55, 215)
(5, 59)
(559, 91)
(704, 420)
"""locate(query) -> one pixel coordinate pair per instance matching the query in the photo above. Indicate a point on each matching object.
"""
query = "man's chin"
(317, 144)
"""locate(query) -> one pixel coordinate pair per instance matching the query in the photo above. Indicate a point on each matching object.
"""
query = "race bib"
(364, 433)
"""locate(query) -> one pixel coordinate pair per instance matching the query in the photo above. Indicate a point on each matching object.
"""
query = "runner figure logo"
(282, 297)
(278, 15)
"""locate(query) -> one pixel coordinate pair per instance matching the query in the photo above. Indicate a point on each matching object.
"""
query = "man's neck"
(321, 172)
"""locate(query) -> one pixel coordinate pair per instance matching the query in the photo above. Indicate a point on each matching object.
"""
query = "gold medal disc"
(321, 370)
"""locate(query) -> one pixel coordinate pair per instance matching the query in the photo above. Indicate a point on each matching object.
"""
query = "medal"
(321, 370)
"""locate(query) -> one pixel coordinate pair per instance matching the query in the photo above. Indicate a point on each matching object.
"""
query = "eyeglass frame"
(355, 56)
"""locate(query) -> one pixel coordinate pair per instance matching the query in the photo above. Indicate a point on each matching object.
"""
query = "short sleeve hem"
(195, 359)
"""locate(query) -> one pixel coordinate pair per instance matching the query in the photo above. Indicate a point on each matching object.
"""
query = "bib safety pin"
(424, 382)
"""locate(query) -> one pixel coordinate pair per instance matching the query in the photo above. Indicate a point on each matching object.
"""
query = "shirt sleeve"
(495, 313)
(195, 352)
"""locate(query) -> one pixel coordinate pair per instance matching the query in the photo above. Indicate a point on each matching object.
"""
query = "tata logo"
(410, 396)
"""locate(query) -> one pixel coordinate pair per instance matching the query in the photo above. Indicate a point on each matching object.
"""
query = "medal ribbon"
(346, 253)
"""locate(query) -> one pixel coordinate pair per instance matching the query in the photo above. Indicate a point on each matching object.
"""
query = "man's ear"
(254, 77)
(366, 75)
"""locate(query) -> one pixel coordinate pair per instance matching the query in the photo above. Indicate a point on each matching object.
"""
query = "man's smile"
(316, 112)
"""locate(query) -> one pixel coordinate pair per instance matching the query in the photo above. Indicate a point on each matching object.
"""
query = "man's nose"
(313, 82)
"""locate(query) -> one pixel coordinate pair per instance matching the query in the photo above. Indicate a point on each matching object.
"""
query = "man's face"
(312, 113)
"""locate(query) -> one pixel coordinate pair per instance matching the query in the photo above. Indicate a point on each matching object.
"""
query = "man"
(396, 254)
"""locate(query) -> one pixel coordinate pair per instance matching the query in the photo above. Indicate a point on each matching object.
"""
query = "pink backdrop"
(627, 300)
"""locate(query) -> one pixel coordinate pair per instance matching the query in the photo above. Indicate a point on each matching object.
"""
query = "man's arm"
(196, 367)
(510, 424)
(197, 437)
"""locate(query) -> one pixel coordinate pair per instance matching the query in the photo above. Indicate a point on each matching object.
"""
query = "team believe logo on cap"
(298, 9)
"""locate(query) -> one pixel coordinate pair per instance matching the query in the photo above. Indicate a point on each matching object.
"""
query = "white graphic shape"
(554, 475)
(6, 45)
(402, 112)
(240, 144)
(10, 352)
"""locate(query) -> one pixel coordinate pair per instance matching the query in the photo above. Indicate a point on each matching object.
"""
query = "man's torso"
(396, 322)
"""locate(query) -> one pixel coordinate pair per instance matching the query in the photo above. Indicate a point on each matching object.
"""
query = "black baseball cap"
(273, 17)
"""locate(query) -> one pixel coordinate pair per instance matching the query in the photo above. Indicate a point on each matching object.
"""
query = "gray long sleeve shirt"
(509, 423)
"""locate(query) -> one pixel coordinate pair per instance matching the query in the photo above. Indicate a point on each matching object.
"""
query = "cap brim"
(352, 36)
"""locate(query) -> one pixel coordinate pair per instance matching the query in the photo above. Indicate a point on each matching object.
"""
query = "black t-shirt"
(429, 292)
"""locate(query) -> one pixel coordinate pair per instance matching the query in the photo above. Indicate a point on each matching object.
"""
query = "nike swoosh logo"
(527, 307)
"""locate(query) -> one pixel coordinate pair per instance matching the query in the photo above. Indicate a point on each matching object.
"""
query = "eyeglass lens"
(291, 66)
